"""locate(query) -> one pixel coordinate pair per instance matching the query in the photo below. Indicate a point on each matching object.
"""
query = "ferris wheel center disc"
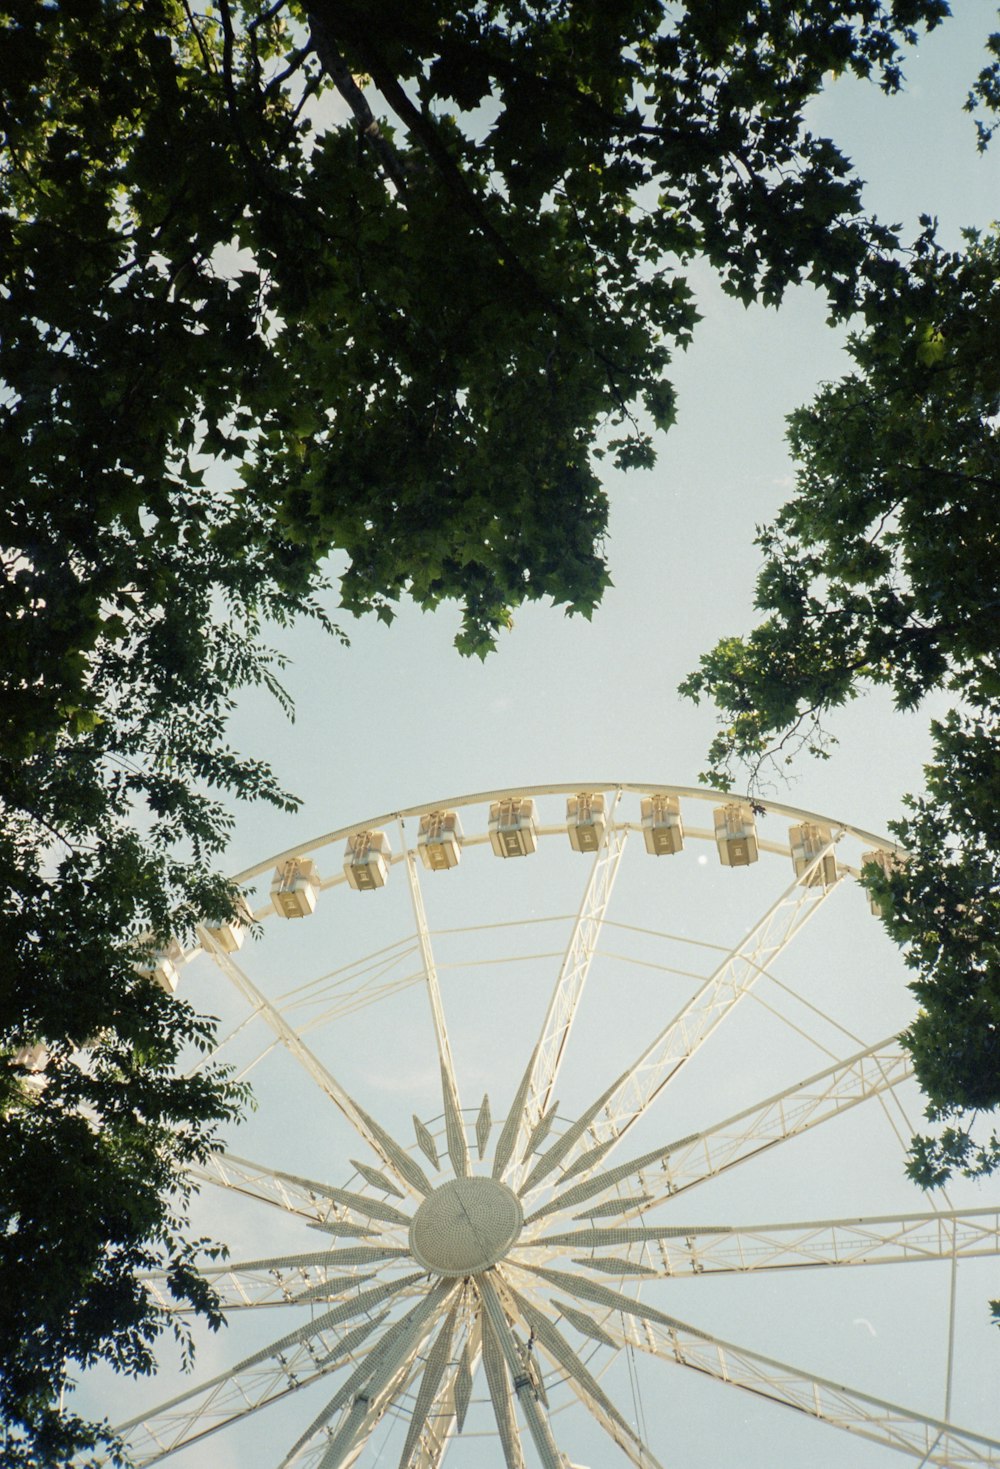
(465, 1226)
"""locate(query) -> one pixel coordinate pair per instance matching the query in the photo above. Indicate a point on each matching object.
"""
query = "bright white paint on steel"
(411, 1176)
(276, 1370)
(454, 1131)
(692, 1249)
(465, 1226)
(583, 1382)
(928, 1439)
(492, 1289)
(392, 1360)
(524, 1389)
(625, 1101)
(447, 1414)
(548, 1054)
(699, 1156)
(687, 793)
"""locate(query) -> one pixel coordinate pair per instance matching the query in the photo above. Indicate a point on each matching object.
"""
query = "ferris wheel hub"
(465, 1226)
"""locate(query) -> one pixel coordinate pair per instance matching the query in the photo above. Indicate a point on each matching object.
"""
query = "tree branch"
(342, 77)
(422, 128)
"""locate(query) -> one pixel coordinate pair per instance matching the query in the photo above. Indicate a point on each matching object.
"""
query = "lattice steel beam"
(430, 1382)
(281, 1280)
(321, 1205)
(498, 1383)
(583, 1383)
(448, 1413)
(930, 1441)
(517, 1365)
(679, 1165)
(300, 1356)
(458, 1149)
(885, 1239)
(626, 1100)
(392, 1360)
(399, 1162)
(547, 1057)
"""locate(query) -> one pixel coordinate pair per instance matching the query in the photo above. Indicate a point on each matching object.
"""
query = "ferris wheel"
(579, 1140)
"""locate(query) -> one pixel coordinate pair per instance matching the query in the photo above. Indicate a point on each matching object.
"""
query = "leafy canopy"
(397, 341)
(884, 569)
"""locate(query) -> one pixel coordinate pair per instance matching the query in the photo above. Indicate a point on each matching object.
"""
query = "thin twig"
(206, 57)
(266, 15)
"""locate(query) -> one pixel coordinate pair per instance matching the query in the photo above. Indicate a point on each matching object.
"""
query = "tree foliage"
(280, 282)
(106, 843)
(406, 336)
(884, 569)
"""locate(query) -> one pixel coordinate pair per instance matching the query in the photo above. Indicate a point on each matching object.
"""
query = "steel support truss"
(458, 1150)
(669, 1170)
(930, 1440)
(335, 1210)
(401, 1165)
(535, 1096)
(608, 1119)
(312, 1350)
(683, 1249)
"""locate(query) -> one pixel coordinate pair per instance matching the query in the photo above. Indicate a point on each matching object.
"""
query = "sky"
(398, 720)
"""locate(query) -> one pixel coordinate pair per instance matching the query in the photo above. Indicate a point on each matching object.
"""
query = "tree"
(245, 324)
(101, 1116)
(884, 569)
(394, 307)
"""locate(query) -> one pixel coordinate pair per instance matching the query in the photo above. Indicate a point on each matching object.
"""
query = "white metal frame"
(579, 1286)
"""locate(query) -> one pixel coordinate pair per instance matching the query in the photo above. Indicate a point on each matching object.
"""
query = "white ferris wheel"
(588, 1155)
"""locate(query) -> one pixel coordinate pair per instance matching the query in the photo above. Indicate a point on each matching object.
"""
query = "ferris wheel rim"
(563, 788)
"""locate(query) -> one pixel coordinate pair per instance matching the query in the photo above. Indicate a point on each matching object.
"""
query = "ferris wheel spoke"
(302, 1198)
(311, 1448)
(430, 1381)
(447, 1415)
(504, 1150)
(390, 1366)
(664, 1172)
(626, 1100)
(280, 1280)
(312, 1445)
(288, 1280)
(580, 1288)
(458, 1148)
(496, 1349)
(323, 1205)
(635, 1450)
(879, 1240)
(930, 1441)
(546, 1059)
(547, 1300)
(583, 1383)
(410, 1174)
(299, 1357)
